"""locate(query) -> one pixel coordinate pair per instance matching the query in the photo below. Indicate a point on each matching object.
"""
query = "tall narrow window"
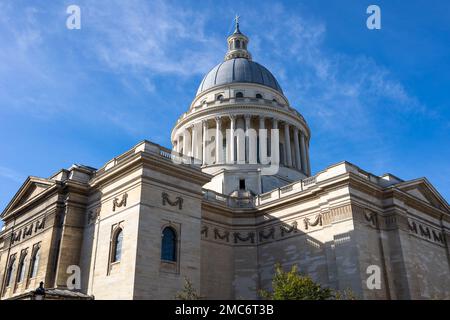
(21, 270)
(169, 245)
(241, 184)
(34, 264)
(117, 246)
(10, 271)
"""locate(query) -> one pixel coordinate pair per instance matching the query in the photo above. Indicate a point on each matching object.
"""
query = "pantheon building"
(232, 197)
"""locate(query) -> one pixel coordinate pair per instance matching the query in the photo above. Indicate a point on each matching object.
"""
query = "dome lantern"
(237, 44)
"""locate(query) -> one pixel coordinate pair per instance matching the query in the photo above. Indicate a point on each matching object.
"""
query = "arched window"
(237, 44)
(219, 97)
(117, 246)
(259, 96)
(239, 95)
(21, 271)
(10, 271)
(34, 264)
(169, 245)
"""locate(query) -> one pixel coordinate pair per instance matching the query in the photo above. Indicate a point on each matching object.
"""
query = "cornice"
(151, 161)
(226, 109)
(33, 201)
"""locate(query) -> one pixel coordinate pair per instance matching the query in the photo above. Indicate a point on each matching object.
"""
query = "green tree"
(292, 285)
(188, 292)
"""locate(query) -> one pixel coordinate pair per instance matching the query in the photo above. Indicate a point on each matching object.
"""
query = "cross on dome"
(237, 43)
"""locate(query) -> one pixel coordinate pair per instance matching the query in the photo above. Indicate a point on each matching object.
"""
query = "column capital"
(296, 130)
(262, 121)
(275, 123)
(232, 117)
(218, 118)
(247, 116)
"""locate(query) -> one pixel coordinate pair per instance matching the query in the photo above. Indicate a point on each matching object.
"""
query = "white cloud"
(152, 36)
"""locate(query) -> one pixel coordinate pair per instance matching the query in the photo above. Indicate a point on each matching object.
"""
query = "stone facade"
(151, 217)
(332, 225)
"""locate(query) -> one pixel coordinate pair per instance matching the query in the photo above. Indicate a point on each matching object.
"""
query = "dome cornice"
(243, 109)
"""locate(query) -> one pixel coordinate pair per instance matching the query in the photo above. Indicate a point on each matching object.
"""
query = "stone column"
(287, 143)
(298, 160)
(240, 139)
(252, 143)
(185, 141)
(247, 118)
(193, 141)
(262, 141)
(179, 143)
(308, 165)
(275, 143)
(303, 152)
(219, 141)
(204, 140)
(231, 138)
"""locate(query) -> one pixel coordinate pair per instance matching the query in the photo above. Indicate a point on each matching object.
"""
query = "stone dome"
(238, 70)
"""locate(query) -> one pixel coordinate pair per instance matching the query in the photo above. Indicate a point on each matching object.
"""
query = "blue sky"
(379, 99)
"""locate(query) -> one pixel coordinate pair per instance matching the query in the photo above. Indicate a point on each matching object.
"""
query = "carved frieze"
(121, 203)
(317, 222)
(288, 229)
(224, 236)
(370, 217)
(28, 230)
(426, 232)
(93, 215)
(239, 238)
(265, 236)
(166, 200)
(204, 231)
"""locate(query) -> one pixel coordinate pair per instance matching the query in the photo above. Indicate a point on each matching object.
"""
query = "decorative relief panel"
(426, 232)
(93, 215)
(288, 229)
(336, 214)
(371, 217)
(240, 238)
(121, 203)
(268, 234)
(224, 236)
(317, 222)
(166, 200)
(28, 230)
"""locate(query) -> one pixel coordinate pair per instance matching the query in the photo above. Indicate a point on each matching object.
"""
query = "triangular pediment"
(424, 191)
(30, 189)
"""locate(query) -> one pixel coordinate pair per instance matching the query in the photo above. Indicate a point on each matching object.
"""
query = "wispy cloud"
(338, 92)
(10, 174)
(156, 37)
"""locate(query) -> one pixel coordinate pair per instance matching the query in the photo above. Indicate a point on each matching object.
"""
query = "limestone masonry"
(233, 197)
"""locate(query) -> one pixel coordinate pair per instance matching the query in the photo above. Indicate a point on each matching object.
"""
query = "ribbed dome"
(238, 70)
